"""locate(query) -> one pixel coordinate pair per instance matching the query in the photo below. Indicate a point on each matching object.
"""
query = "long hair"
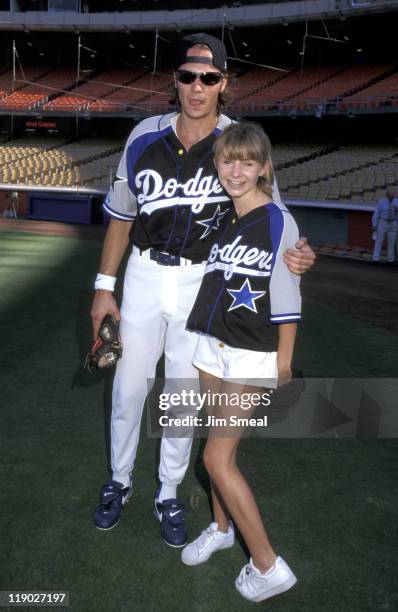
(243, 141)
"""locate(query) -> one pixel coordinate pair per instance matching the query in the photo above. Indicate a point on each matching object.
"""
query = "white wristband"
(106, 282)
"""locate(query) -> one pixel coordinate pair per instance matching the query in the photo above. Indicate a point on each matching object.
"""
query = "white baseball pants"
(156, 303)
(383, 228)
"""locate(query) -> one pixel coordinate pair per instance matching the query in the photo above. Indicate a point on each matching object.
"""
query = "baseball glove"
(107, 348)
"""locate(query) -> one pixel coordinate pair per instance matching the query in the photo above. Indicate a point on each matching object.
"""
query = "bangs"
(237, 144)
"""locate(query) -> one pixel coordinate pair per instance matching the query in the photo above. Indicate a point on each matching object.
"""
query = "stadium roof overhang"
(242, 16)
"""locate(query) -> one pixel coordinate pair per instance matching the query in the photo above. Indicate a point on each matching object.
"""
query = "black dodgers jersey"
(173, 195)
(247, 288)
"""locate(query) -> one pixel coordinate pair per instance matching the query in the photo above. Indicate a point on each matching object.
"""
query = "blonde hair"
(242, 141)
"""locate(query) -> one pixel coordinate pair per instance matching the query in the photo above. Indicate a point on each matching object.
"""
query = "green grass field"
(329, 505)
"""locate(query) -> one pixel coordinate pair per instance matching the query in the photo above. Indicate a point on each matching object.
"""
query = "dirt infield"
(365, 290)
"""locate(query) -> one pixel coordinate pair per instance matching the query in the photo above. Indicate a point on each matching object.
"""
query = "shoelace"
(206, 537)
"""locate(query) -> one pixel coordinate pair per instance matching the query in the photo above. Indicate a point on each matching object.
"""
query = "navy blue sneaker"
(113, 496)
(171, 515)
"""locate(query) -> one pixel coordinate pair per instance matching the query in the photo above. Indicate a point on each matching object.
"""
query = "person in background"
(384, 222)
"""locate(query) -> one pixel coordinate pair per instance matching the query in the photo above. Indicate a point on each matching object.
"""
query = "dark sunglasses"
(207, 78)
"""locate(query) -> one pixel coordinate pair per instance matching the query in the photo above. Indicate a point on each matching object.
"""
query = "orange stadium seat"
(341, 84)
(271, 96)
(22, 100)
(379, 93)
(140, 93)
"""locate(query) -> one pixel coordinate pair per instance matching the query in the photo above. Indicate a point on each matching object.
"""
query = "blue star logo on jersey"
(213, 223)
(245, 296)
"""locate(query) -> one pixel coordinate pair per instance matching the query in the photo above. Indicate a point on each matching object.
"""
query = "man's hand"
(300, 260)
(104, 303)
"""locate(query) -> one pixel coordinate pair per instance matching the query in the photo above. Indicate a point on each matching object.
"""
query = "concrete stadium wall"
(331, 225)
(334, 226)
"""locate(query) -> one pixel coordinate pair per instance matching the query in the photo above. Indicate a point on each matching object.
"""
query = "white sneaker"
(254, 585)
(210, 540)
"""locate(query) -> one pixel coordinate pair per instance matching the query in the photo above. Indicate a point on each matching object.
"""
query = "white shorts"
(234, 364)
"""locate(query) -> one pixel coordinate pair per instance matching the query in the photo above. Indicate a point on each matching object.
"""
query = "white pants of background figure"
(383, 228)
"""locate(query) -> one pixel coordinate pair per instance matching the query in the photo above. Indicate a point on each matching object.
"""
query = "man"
(384, 221)
(166, 182)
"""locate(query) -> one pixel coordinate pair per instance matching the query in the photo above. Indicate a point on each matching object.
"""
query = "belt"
(166, 259)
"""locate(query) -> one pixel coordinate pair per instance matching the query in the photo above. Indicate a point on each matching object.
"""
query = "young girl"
(245, 315)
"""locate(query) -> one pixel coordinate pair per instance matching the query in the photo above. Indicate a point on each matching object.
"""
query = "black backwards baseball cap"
(217, 48)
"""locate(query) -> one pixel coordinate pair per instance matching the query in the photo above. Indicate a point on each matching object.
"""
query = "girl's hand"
(284, 375)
